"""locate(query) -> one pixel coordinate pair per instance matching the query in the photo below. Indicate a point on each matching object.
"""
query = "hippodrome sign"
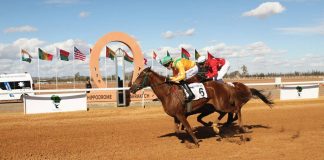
(102, 42)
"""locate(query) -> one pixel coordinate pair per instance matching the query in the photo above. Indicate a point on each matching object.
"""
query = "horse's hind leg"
(215, 124)
(242, 129)
(184, 121)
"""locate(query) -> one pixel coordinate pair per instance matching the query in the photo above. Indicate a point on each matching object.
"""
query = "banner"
(51, 103)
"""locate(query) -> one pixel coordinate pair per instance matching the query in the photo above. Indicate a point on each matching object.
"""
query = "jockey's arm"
(181, 74)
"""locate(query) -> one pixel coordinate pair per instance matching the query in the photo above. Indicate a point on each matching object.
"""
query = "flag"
(197, 55)
(168, 54)
(110, 53)
(44, 56)
(64, 55)
(184, 53)
(25, 53)
(79, 55)
(127, 57)
(145, 61)
(154, 56)
(210, 56)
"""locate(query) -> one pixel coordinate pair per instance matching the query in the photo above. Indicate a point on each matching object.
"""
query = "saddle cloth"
(198, 89)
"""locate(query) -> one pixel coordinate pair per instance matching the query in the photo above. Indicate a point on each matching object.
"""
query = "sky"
(266, 36)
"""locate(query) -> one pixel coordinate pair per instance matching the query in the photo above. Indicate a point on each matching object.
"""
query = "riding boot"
(188, 90)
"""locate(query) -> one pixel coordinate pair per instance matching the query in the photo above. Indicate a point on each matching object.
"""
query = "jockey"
(182, 69)
(217, 67)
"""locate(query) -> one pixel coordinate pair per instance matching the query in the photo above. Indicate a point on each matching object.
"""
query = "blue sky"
(267, 36)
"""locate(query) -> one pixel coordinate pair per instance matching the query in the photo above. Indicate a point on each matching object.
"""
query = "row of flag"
(78, 55)
(184, 54)
(42, 55)
(64, 55)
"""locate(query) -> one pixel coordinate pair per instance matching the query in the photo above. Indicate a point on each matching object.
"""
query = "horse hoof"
(216, 130)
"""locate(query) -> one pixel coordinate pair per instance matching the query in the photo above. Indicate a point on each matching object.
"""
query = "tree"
(77, 76)
(244, 71)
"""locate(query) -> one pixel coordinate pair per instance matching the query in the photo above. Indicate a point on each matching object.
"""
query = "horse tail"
(265, 99)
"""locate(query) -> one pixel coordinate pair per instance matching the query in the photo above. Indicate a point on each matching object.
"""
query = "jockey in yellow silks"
(182, 69)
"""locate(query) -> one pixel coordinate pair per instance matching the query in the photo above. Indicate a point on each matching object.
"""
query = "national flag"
(184, 53)
(127, 57)
(110, 53)
(154, 56)
(64, 55)
(197, 55)
(168, 54)
(79, 55)
(44, 56)
(145, 61)
(24, 53)
(210, 56)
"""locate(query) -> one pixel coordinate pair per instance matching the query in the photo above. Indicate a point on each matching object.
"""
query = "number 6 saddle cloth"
(198, 89)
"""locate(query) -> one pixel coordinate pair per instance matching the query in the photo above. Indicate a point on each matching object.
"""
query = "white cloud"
(319, 29)
(168, 35)
(265, 10)
(25, 28)
(84, 14)
(171, 34)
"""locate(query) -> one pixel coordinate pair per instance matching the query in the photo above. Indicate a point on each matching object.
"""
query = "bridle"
(144, 83)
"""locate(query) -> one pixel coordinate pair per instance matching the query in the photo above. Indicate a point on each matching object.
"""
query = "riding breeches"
(191, 72)
(222, 71)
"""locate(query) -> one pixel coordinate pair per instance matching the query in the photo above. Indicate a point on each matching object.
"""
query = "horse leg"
(176, 125)
(242, 129)
(184, 122)
(202, 115)
(230, 118)
(215, 124)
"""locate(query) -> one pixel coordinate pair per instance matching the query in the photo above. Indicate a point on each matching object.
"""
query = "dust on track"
(291, 130)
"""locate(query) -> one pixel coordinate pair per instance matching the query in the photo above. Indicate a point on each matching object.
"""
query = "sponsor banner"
(148, 95)
(101, 96)
(50, 103)
(299, 91)
(110, 96)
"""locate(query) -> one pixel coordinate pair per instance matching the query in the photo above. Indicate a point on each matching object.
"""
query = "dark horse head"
(141, 81)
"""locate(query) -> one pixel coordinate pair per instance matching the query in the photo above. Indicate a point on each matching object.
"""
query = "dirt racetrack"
(291, 130)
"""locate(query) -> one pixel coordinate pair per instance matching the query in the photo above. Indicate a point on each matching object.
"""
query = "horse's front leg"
(202, 115)
(176, 125)
(186, 124)
(242, 129)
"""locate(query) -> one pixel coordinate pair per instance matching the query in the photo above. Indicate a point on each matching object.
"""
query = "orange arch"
(101, 43)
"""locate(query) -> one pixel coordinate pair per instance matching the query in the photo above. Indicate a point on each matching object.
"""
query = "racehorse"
(223, 97)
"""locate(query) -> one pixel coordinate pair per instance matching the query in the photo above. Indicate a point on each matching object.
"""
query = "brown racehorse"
(223, 97)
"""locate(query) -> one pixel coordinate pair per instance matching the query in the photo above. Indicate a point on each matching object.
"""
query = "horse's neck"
(158, 86)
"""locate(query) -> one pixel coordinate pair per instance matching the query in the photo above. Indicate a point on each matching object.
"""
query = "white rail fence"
(143, 99)
(127, 88)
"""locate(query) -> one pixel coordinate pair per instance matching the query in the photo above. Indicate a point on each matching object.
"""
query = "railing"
(127, 88)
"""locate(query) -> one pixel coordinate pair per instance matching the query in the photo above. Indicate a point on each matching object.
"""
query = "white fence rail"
(127, 88)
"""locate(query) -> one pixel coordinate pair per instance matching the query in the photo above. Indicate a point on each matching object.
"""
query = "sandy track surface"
(291, 130)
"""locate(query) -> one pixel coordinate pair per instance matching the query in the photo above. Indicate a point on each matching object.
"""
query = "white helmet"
(201, 59)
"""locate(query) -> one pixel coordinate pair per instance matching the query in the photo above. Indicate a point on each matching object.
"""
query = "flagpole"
(56, 67)
(152, 60)
(89, 68)
(73, 70)
(38, 71)
(106, 71)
